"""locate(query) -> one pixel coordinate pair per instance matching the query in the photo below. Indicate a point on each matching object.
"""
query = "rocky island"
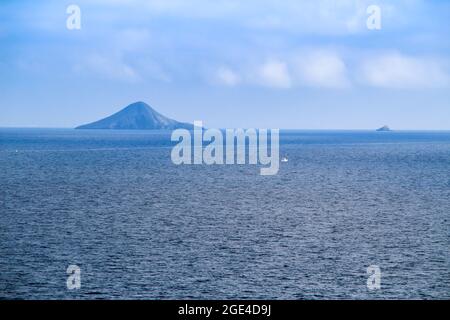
(137, 116)
(384, 129)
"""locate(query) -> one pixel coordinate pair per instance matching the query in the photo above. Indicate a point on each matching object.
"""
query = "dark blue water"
(140, 227)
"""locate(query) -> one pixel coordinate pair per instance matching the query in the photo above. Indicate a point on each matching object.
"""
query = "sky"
(292, 64)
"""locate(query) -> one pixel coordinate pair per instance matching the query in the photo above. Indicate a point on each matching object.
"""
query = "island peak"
(137, 116)
(384, 128)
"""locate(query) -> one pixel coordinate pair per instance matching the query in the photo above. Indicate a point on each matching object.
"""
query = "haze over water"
(140, 227)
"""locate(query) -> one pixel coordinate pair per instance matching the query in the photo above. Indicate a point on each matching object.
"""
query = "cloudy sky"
(268, 64)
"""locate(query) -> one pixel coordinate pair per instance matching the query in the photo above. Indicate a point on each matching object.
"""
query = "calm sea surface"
(140, 227)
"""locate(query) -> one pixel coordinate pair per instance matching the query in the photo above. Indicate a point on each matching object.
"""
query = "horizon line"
(285, 129)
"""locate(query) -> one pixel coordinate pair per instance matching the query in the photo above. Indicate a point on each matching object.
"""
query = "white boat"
(284, 159)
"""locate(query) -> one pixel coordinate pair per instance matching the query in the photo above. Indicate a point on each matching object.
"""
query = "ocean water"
(140, 227)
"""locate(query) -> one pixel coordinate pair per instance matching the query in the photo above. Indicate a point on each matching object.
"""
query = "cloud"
(394, 70)
(321, 69)
(275, 74)
(177, 41)
(330, 69)
(323, 17)
(227, 77)
(108, 67)
(307, 68)
(132, 39)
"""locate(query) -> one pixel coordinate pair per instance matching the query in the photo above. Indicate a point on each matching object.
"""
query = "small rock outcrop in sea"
(137, 116)
(384, 128)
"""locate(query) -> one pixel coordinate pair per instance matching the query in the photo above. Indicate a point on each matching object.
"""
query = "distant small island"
(137, 116)
(384, 128)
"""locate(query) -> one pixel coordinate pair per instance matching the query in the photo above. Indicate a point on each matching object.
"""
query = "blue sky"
(266, 64)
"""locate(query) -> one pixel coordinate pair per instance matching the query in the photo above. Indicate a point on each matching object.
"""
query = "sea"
(137, 226)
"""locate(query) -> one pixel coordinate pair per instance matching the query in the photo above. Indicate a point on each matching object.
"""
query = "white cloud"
(327, 68)
(108, 67)
(227, 76)
(394, 70)
(274, 73)
(321, 69)
(310, 68)
(132, 39)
